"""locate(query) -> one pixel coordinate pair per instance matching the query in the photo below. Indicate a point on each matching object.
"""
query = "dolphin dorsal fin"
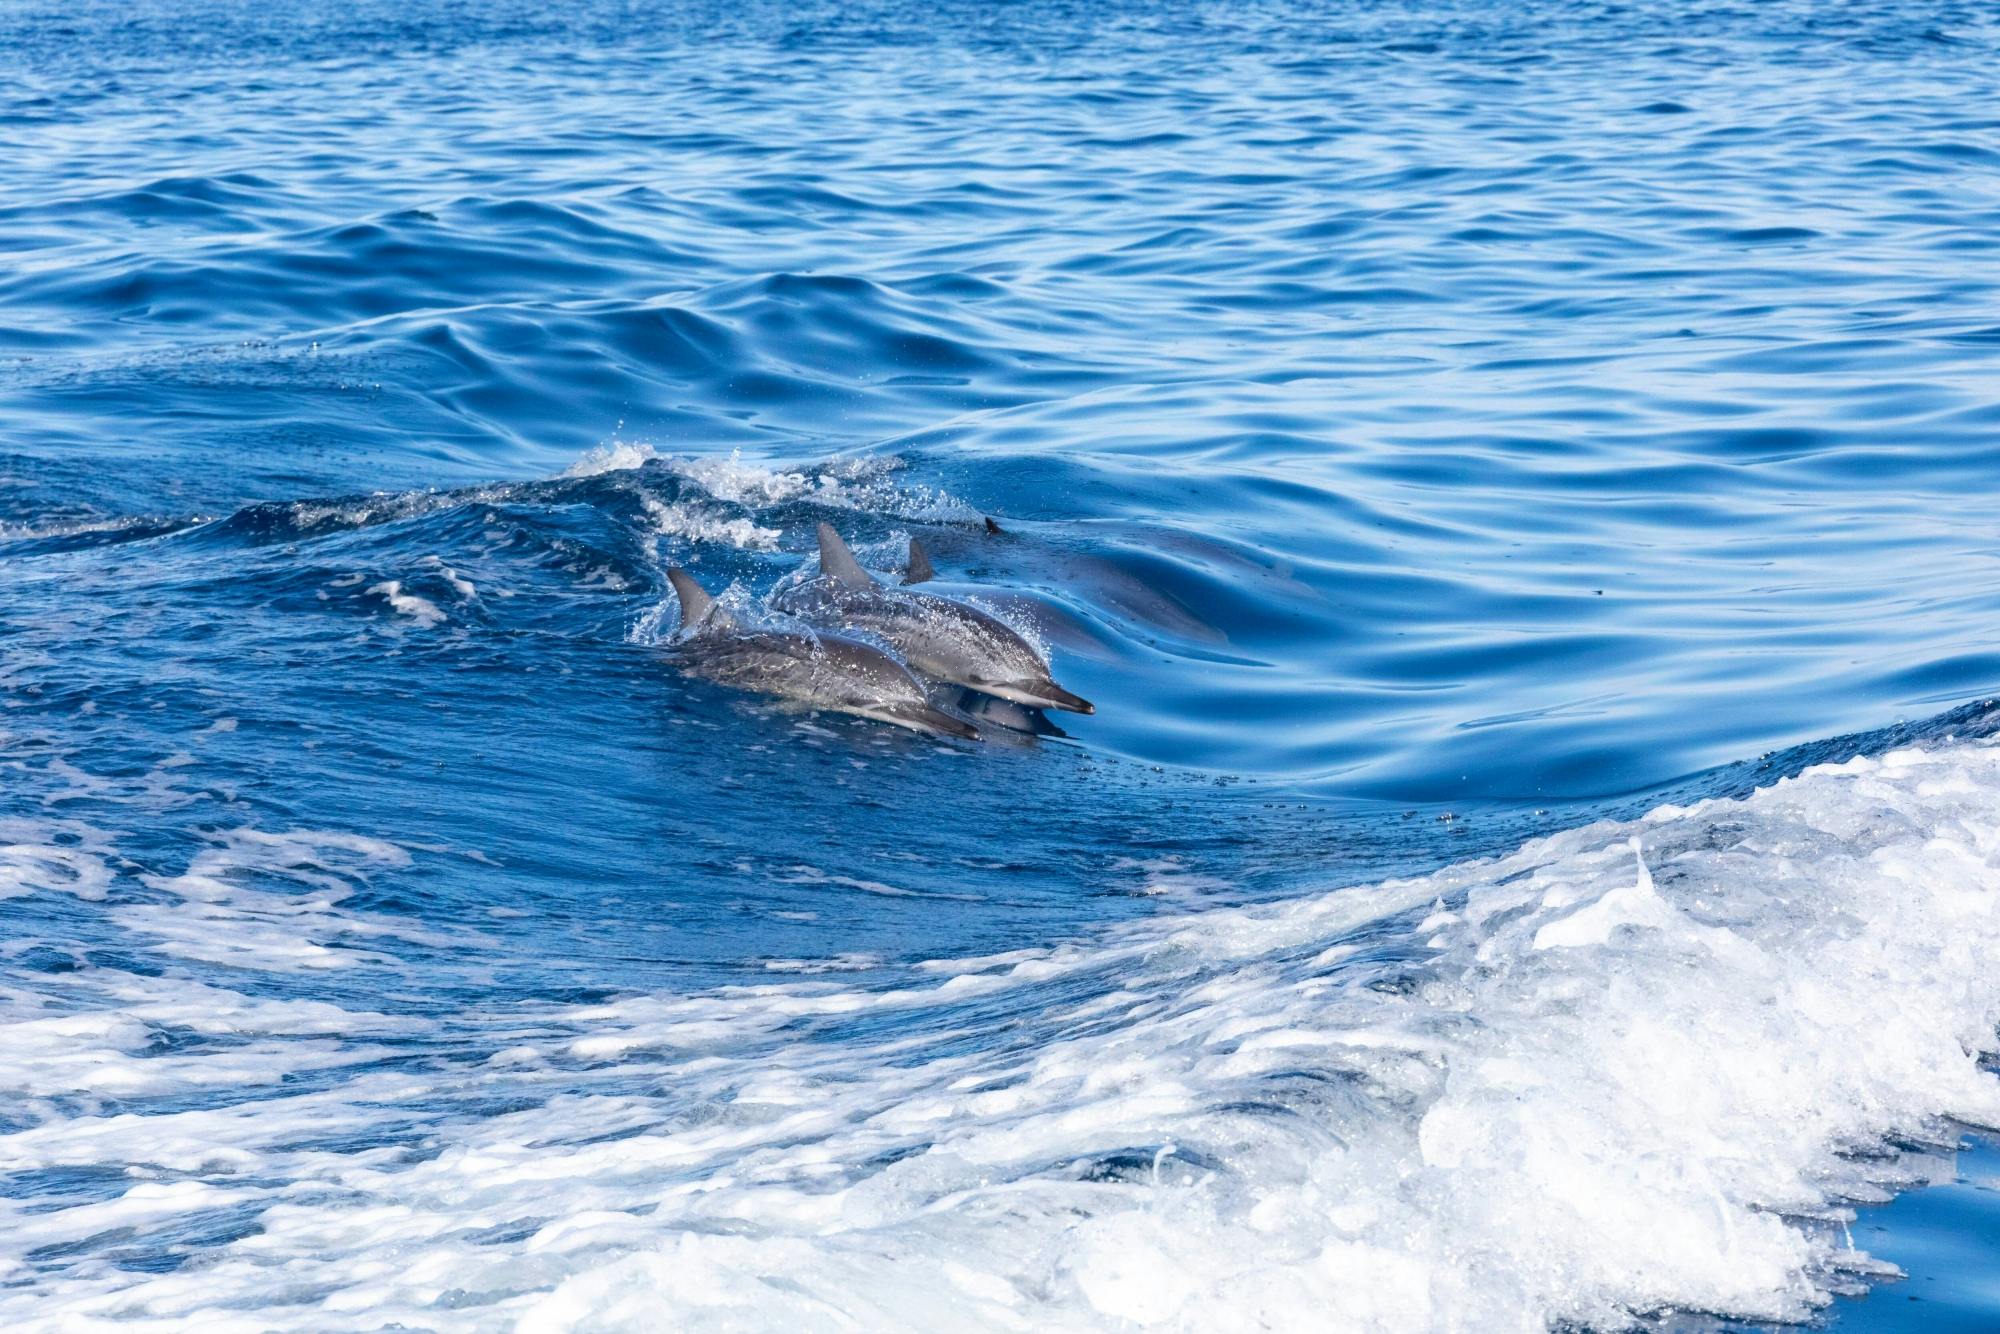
(835, 559)
(920, 565)
(696, 605)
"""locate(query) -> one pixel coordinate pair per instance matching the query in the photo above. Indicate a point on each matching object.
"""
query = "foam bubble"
(273, 901)
(614, 456)
(860, 482)
(699, 523)
(459, 584)
(423, 611)
(1624, 1069)
(29, 865)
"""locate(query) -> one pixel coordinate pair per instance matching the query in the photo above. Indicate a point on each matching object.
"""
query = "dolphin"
(991, 711)
(827, 671)
(939, 636)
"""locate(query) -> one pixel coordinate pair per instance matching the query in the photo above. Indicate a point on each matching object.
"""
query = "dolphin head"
(858, 678)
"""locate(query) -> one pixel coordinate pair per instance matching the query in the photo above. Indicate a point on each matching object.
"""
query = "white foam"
(860, 482)
(29, 865)
(612, 456)
(460, 585)
(1581, 1081)
(700, 523)
(1168, 877)
(275, 902)
(12, 530)
(423, 611)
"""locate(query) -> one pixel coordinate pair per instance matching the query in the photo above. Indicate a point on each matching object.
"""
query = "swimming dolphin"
(990, 711)
(828, 671)
(939, 636)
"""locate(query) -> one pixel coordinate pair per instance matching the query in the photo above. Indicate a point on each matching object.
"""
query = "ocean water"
(1517, 480)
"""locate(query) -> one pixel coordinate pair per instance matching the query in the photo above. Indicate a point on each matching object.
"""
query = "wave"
(1346, 656)
(1642, 1066)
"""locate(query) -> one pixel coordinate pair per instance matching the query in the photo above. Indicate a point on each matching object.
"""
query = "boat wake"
(1640, 1066)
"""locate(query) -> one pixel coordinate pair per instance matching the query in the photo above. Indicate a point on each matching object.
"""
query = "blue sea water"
(1517, 479)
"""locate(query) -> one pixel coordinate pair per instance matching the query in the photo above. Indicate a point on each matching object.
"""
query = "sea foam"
(1627, 1068)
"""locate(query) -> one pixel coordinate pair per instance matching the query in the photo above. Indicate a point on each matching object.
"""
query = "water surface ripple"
(1427, 432)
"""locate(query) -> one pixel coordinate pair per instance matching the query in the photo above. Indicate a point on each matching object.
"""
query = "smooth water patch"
(1946, 1239)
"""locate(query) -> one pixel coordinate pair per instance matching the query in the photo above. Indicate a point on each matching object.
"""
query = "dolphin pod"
(942, 638)
(827, 671)
(938, 638)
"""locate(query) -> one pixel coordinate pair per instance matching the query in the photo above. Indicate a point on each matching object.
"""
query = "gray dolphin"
(939, 636)
(827, 671)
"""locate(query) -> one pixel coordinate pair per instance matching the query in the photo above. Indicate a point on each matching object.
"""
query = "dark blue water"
(1426, 432)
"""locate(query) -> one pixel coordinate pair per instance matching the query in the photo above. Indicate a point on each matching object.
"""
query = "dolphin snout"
(1049, 695)
(924, 718)
(940, 721)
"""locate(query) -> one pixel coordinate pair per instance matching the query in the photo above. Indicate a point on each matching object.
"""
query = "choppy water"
(1517, 480)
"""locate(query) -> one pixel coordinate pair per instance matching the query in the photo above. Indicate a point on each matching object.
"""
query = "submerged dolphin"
(939, 636)
(827, 671)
